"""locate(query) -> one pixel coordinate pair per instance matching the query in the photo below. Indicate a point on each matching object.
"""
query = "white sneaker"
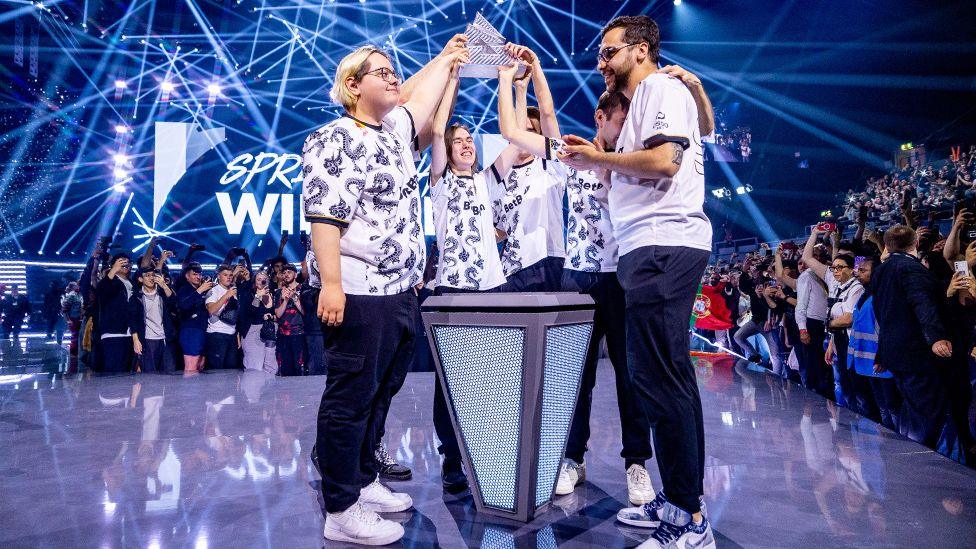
(570, 474)
(639, 487)
(383, 500)
(359, 524)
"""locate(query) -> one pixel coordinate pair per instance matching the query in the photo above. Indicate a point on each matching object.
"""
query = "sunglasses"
(607, 53)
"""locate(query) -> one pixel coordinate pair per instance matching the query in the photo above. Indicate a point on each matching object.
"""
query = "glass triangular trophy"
(487, 48)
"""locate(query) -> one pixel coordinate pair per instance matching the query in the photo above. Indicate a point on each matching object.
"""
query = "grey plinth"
(510, 366)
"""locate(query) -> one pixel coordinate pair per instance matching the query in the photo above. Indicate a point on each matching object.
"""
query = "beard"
(619, 80)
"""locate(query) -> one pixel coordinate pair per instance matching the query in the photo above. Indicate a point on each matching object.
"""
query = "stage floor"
(221, 460)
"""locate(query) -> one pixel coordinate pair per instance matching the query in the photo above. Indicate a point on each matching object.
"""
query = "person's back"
(904, 297)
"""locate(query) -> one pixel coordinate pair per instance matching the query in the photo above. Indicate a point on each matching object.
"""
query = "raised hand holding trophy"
(487, 48)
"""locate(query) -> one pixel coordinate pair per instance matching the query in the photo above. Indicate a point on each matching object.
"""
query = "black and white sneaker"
(649, 515)
(678, 531)
(388, 467)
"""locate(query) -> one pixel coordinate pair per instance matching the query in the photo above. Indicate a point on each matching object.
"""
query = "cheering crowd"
(143, 315)
(881, 323)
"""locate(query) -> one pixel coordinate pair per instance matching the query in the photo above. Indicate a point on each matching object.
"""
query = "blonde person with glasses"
(361, 194)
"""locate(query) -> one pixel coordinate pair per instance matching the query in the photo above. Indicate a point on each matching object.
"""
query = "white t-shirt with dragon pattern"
(529, 208)
(362, 178)
(465, 226)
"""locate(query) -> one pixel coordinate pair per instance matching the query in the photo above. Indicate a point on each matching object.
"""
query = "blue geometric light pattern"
(566, 348)
(483, 369)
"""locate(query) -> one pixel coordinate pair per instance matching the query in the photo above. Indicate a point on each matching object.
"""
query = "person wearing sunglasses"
(361, 194)
(656, 198)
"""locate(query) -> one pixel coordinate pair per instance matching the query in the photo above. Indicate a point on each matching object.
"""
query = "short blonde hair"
(353, 65)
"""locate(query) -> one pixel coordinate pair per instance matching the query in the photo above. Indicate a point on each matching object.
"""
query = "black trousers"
(889, 401)
(367, 358)
(291, 354)
(157, 357)
(314, 348)
(813, 370)
(924, 410)
(222, 351)
(608, 321)
(314, 340)
(542, 276)
(660, 284)
(117, 354)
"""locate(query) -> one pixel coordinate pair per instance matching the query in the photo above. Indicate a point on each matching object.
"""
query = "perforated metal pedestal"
(510, 366)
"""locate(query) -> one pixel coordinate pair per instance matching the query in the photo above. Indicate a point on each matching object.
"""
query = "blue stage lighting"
(677, 2)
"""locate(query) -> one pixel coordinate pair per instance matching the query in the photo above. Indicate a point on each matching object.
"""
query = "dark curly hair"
(638, 28)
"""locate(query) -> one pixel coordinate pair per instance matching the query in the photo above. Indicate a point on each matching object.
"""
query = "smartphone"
(962, 268)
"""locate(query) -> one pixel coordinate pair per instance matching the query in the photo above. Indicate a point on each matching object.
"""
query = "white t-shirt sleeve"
(332, 180)
(662, 114)
(400, 122)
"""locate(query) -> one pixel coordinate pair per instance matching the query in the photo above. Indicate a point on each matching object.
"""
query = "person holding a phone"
(113, 292)
(259, 342)
(151, 314)
(191, 300)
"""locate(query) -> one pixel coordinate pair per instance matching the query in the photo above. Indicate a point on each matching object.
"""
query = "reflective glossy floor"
(221, 461)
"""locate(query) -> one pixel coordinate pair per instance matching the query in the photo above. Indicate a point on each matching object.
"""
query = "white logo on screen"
(179, 145)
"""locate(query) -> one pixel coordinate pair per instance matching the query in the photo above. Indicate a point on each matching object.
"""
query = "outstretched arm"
(706, 115)
(547, 107)
(438, 148)
(810, 261)
(422, 105)
(508, 123)
(419, 78)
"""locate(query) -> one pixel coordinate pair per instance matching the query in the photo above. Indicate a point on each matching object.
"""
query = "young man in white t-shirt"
(657, 192)
(361, 193)
(590, 268)
(222, 339)
(529, 201)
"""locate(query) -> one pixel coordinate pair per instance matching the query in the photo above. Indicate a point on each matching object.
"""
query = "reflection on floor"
(221, 461)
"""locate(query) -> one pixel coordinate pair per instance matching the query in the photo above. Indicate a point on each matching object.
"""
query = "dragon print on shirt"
(590, 246)
(462, 216)
(357, 177)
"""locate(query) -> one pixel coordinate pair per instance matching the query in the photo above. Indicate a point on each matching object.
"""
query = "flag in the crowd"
(710, 311)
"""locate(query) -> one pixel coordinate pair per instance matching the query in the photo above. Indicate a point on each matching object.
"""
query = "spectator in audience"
(961, 313)
(151, 312)
(843, 291)
(15, 307)
(874, 386)
(291, 333)
(840, 302)
(223, 340)
(911, 335)
(52, 311)
(72, 307)
(193, 317)
(113, 293)
(754, 286)
(259, 327)
(811, 317)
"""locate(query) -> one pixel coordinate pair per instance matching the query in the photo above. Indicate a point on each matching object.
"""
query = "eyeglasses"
(386, 74)
(835, 268)
(607, 53)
